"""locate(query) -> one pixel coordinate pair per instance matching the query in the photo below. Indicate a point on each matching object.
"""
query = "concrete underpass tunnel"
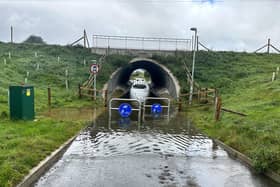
(163, 83)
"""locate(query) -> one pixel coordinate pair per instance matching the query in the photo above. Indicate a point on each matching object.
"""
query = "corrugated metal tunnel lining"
(162, 78)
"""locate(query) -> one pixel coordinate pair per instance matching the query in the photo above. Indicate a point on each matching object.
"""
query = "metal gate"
(137, 108)
(145, 105)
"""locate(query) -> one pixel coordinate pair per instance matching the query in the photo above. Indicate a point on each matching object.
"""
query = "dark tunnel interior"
(162, 79)
(157, 74)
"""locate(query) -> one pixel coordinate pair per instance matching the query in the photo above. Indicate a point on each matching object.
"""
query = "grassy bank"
(23, 144)
(244, 81)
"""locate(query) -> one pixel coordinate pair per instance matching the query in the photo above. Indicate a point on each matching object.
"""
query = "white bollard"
(35, 54)
(10, 55)
(84, 62)
(27, 74)
(25, 80)
(38, 66)
(58, 59)
(5, 61)
(66, 80)
(277, 70)
(273, 76)
(66, 84)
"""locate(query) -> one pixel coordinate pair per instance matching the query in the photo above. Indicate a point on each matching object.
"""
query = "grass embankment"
(244, 81)
(23, 144)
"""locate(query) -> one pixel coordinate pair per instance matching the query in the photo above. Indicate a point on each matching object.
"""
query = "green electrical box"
(21, 99)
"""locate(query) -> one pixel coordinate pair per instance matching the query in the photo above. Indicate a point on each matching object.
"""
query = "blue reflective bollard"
(156, 109)
(125, 110)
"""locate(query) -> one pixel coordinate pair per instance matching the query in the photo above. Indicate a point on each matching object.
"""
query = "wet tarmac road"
(156, 153)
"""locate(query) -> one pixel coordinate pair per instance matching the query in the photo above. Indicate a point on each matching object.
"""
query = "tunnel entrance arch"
(163, 81)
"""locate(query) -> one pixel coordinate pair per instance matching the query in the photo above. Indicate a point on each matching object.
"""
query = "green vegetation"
(34, 40)
(23, 144)
(244, 82)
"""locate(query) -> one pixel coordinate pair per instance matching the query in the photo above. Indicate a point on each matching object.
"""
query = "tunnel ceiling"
(157, 74)
(161, 77)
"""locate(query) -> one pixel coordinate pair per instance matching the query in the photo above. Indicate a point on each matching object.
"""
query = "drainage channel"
(157, 152)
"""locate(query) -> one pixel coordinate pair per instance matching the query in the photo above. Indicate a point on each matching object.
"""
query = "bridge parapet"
(139, 46)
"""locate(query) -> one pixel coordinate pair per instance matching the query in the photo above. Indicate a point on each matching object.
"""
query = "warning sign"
(94, 68)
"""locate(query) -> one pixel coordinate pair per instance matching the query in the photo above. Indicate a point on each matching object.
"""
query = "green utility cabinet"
(21, 101)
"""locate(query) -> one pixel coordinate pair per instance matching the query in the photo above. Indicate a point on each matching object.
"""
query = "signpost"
(94, 68)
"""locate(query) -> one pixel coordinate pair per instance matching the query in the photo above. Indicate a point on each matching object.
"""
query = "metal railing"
(145, 105)
(137, 108)
(142, 43)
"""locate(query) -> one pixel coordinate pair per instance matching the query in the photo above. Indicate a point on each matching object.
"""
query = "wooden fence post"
(218, 107)
(180, 104)
(79, 91)
(49, 96)
(206, 94)
(105, 97)
(198, 95)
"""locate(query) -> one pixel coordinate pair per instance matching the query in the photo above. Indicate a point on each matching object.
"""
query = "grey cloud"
(227, 25)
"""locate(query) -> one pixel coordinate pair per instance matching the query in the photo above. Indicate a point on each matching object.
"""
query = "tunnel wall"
(161, 76)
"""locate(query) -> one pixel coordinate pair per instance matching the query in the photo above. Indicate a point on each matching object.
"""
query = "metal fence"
(142, 43)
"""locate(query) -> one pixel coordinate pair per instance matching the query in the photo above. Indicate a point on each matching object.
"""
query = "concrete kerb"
(246, 160)
(45, 165)
(36, 172)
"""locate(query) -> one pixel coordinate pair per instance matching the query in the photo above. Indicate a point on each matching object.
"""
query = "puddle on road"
(154, 153)
(74, 114)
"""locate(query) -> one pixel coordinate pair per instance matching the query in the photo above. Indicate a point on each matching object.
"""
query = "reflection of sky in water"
(159, 153)
(121, 143)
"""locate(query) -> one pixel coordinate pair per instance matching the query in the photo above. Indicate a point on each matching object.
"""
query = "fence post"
(198, 95)
(79, 91)
(66, 79)
(206, 94)
(273, 77)
(218, 107)
(105, 97)
(180, 105)
(49, 96)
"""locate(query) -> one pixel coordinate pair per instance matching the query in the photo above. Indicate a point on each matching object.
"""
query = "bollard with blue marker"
(156, 110)
(125, 110)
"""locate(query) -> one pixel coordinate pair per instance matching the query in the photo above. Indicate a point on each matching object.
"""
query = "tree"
(34, 40)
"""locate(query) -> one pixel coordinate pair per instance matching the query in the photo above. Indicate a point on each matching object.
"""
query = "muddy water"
(153, 153)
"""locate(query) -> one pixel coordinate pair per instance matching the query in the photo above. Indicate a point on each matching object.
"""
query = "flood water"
(158, 152)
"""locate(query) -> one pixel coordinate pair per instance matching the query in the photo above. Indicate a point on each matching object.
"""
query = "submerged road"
(156, 153)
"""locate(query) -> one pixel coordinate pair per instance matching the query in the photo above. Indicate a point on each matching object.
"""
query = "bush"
(34, 40)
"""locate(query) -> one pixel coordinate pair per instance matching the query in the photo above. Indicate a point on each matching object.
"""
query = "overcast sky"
(222, 25)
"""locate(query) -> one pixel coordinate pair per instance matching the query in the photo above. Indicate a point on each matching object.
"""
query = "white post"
(27, 74)
(94, 86)
(10, 55)
(66, 80)
(35, 54)
(84, 62)
(38, 66)
(277, 70)
(25, 80)
(58, 59)
(193, 64)
(273, 76)
(5, 61)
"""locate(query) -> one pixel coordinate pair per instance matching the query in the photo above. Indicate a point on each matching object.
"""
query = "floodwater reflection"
(155, 153)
